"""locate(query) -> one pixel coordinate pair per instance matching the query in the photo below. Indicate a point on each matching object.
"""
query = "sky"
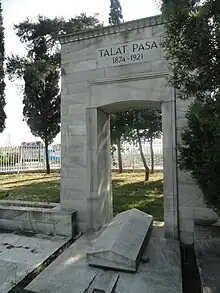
(15, 11)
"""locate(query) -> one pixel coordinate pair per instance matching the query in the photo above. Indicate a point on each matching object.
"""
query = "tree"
(41, 99)
(199, 151)
(31, 33)
(40, 70)
(192, 43)
(42, 103)
(115, 15)
(144, 125)
(2, 74)
(118, 129)
(150, 121)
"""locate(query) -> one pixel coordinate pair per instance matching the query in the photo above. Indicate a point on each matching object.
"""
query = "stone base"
(121, 244)
(37, 217)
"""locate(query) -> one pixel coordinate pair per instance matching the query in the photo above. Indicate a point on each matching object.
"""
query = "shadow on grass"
(48, 191)
(146, 196)
(26, 180)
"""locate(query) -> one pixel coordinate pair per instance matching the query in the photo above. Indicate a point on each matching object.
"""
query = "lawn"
(129, 190)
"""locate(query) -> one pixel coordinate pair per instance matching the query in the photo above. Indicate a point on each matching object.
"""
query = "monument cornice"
(112, 29)
(141, 76)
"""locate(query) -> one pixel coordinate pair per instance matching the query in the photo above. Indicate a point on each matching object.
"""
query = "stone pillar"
(170, 169)
(99, 199)
(73, 183)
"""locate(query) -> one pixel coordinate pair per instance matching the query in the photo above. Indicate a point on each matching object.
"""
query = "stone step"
(121, 244)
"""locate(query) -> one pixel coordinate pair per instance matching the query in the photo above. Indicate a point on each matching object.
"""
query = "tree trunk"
(147, 170)
(47, 157)
(39, 153)
(151, 155)
(120, 168)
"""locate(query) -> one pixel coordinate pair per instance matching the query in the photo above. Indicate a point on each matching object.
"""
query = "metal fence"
(32, 157)
(131, 158)
(28, 158)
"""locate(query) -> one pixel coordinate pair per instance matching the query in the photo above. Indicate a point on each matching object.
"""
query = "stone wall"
(36, 217)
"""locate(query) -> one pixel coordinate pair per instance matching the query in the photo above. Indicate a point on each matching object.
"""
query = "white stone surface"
(162, 274)
(20, 255)
(128, 90)
(122, 242)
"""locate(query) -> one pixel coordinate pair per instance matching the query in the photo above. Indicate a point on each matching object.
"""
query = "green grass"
(30, 187)
(129, 190)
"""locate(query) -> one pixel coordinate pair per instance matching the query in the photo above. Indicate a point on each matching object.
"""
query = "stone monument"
(106, 70)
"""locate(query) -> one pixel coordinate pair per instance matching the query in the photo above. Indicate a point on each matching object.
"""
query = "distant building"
(35, 152)
(32, 151)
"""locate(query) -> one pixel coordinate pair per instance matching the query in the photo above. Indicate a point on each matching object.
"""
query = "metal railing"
(31, 158)
(28, 158)
(131, 158)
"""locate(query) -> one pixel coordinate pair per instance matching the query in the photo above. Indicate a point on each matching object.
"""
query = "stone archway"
(136, 92)
(104, 70)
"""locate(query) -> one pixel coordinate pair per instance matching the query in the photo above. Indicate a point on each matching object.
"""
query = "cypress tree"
(115, 15)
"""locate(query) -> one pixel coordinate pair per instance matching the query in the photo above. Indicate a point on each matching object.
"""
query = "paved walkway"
(20, 255)
(159, 273)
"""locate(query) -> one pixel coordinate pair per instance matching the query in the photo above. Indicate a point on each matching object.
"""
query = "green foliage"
(118, 128)
(41, 40)
(42, 99)
(40, 70)
(2, 74)
(144, 125)
(192, 44)
(148, 121)
(16, 67)
(33, 33)
(200, 149)
(115, 15)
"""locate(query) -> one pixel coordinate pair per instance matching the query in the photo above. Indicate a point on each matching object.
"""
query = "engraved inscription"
(138, 51)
